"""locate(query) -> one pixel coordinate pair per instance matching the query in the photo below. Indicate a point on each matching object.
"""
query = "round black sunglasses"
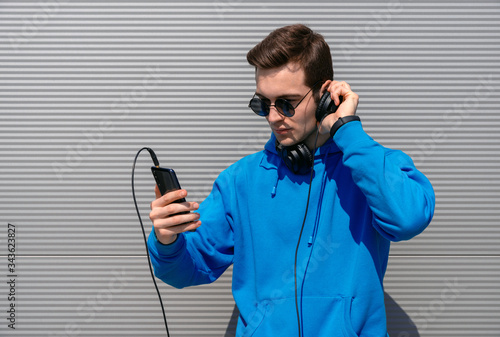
(283, 106)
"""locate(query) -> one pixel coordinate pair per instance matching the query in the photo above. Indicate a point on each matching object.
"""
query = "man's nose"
(274, 115)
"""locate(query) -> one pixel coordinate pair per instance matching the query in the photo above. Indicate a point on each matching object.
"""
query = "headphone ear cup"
(297, 157)
(304, 159)
(326, 106)
(322, 108)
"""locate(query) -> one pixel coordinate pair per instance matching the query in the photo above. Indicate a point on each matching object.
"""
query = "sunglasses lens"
(262, 109)
(285, 107)
(259, 107)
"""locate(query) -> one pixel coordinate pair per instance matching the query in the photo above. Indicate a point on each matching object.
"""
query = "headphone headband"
(297, 157)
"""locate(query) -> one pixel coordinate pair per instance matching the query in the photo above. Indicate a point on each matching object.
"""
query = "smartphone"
(166, 179)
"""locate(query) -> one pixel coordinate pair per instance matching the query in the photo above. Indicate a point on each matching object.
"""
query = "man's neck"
(309, 142)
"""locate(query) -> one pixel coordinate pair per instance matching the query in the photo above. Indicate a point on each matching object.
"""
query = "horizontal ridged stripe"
(428, 77)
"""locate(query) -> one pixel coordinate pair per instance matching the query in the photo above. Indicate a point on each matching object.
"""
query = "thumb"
(157, 192)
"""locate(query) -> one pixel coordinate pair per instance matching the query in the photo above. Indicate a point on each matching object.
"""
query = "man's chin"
(285, 141)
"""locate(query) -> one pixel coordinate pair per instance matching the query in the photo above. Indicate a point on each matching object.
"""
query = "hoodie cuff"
(349, 134)
(167, 250)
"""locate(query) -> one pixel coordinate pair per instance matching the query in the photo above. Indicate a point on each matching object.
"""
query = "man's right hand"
(165, 215)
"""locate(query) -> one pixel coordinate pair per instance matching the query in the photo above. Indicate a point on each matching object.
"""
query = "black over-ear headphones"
(297, 157)
(326, 106)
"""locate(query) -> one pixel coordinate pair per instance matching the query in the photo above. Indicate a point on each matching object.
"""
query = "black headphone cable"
(300, 235)
(156, 163)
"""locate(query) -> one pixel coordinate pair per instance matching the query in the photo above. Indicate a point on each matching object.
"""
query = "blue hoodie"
(363, 196)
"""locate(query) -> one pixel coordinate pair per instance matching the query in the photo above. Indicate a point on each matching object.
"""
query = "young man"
(308, 256)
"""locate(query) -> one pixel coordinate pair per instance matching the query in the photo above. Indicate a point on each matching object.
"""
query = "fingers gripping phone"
(167, 181)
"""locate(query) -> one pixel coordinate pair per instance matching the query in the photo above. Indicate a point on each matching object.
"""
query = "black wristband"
(341, 121)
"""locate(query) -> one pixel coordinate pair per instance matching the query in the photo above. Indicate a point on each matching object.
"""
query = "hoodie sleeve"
(197, 257)
(400, 197)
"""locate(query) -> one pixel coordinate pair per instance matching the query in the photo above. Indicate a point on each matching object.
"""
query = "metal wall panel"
(85, 84)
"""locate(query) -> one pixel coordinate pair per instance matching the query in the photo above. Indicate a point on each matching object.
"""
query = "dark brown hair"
(295, 43)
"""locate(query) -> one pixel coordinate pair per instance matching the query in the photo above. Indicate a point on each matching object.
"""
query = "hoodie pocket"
(255, 319)
(327, 316)
(321, 317)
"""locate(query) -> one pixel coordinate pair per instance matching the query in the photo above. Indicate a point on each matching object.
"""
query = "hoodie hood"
(329, 147)
(272, 159)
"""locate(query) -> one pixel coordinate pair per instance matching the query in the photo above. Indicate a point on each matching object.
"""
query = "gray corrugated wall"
(84, 85)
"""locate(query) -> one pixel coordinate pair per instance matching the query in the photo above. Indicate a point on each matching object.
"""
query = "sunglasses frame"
(277, 106)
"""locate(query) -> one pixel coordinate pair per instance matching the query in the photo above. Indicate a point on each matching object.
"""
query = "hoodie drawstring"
(321, 195)
(275, 187)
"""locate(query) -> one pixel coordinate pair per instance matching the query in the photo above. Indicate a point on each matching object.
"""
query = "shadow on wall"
(399, 324)
(231, 327)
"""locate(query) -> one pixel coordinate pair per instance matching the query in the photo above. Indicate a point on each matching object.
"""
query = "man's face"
(288, 82)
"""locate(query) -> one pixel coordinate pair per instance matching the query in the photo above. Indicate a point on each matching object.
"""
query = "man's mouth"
(281, 131)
